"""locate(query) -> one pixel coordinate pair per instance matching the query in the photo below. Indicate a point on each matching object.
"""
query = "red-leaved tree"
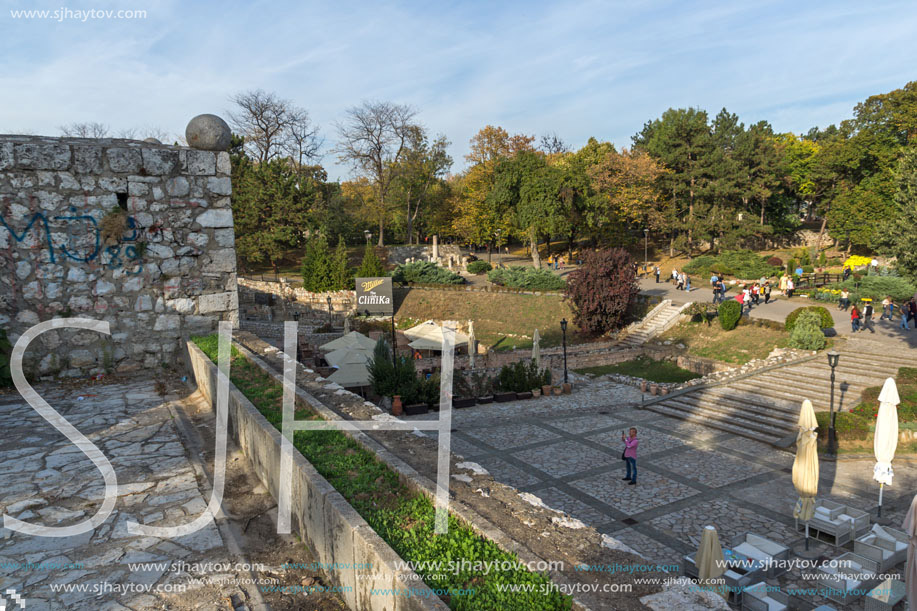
(602, 291)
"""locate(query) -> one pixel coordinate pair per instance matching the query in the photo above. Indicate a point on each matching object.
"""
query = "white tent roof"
(350, 366)
(429, 336)
(353, 356)
(354, 339)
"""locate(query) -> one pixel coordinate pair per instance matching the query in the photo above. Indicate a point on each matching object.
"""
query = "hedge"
(479, 267)
(743, 264)
(526, 278)
(807, 333)
(404, 519)
(425, 272)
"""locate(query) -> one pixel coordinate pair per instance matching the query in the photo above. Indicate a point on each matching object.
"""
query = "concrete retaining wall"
(325, 521)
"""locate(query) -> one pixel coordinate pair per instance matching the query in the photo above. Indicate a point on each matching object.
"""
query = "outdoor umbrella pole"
(881, 486)
(807, 535)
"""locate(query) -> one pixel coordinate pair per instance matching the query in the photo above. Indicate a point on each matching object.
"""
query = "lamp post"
(833, 357)
(330, 314)
(563, 328)
(499, 255)
(646, 237)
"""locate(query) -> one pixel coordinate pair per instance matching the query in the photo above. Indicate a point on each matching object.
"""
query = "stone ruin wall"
(169, 274)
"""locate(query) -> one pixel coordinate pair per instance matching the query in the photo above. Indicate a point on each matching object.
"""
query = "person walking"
(912, 311)
(657, 272)
(630, 455)
(687, 283)
(866, 322)
(790, 287)
(679, 281)
(888, 308)
(767, 292)
(783, 280)
(904, 316)
(716, 292)
(846, 273)
(854, 319)
(845, 300)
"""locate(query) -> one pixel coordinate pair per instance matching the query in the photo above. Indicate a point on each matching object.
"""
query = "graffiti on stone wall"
(83, 244)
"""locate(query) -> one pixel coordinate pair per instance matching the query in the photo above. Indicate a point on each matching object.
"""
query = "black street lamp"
(563, 328)
(833, 357)
(646, 237)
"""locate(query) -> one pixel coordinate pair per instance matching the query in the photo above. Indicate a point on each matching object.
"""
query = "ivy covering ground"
(404, 519)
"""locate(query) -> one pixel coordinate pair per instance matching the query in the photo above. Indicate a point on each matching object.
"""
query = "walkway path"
(163, 480)
(567, 451)
(780, 306)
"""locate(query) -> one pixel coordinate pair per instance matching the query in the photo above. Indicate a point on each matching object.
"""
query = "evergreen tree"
(370, 266)
(899, 236)
(341, 272)
(317, 270)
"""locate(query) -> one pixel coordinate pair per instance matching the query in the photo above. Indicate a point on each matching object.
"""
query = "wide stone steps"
(650, 327)
(757, 417)
(713, 421)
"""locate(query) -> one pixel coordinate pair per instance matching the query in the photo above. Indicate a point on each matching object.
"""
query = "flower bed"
(402, 518)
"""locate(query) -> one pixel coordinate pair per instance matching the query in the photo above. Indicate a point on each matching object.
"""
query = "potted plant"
(396, 406)
(643, 384)
(524, 395)
(415, 409)
(463, 402)
(568, 388)
(663, 390)
(546, 390)
(536, 392)
(653, 389)
(557, 391)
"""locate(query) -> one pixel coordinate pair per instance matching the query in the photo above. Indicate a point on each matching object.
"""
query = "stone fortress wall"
(135, 233)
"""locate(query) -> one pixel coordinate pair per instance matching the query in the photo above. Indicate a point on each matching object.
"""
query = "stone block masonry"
(138, 234)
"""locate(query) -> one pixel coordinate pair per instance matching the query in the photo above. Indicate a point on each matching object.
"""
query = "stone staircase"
(659, 319)
(765, 406)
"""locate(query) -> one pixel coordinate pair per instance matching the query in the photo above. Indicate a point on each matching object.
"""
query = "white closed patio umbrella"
(709, 559)
(805, 466)
(885, 440)
(472, 348)
(910, 569)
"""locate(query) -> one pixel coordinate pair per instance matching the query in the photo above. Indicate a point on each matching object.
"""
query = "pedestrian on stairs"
(630, 455)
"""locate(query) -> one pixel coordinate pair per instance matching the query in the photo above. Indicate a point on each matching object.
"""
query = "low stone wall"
(333, 530)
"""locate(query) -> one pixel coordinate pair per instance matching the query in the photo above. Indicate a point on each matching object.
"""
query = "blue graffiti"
(131, 252)
(95, 228)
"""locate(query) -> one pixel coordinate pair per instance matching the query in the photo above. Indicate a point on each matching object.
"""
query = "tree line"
(692, 181)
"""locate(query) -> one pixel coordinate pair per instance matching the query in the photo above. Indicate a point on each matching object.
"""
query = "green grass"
(646, 368)
(404, 519)
(739, 346)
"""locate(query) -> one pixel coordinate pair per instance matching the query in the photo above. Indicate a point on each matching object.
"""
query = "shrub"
(826, 321)
(743, 264)
(807, 333)
(603, 290)
(775, 261)
(522, 376)
(808, 269)
(729, 313)
(526, 278)
(429, 390)
(878, 287)
(848, 425)
(477, 384)
(479, 267)
(382, 370)
(371, 266)
(822, 259)
(424, 272)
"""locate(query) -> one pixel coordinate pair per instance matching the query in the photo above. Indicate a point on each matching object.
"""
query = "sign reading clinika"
(374, 296)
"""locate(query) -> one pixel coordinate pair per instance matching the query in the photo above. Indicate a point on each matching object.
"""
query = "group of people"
(681, 280)
(861, 320)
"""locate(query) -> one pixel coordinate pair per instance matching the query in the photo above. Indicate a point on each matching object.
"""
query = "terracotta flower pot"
(643, 386)
(557, 391)
(568, 388)
(653, 389)
(663, 390)
(546, 390)
(396, 406)
(536, 392)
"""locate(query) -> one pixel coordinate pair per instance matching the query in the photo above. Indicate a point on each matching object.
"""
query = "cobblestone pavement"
(567, 451)
(46, 480)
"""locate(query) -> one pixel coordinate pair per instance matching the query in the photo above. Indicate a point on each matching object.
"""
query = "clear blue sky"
(579, 68)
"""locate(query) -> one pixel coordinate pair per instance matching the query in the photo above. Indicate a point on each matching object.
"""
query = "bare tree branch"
(84, 130)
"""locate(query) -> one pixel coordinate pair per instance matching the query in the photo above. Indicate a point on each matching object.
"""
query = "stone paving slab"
(512, 435)
(651, 441)
(47, 480)
(565, 458)
(710, 468)
(652, 490)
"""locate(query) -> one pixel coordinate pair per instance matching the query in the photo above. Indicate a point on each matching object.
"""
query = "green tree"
(340, 269)
(271, 206)
(370, 266)
(318, 272)
(898, 237)
(422, 167)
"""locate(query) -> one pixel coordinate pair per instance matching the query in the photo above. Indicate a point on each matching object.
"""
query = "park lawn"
(737, 347)
(501, 320)
(644, 367)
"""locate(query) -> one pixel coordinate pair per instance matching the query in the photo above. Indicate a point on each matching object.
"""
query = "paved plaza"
(567, 451)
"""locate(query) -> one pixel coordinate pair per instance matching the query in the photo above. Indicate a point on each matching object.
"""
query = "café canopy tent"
(351, 367)
(352, 340)
(429, 336)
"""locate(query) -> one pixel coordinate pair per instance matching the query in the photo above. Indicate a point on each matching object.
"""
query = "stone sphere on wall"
(208, 133)
(152, 141)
